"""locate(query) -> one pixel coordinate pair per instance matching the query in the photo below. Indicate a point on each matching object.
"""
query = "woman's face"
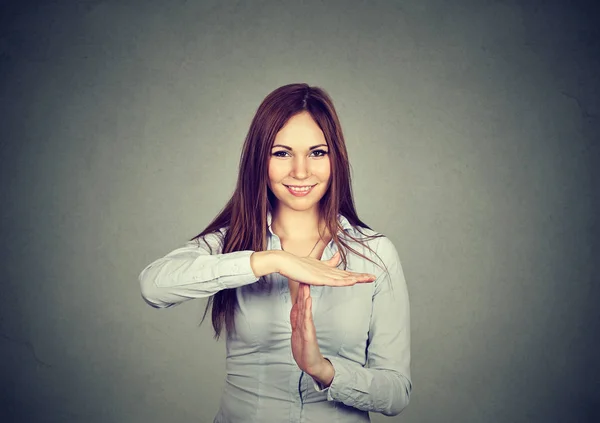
(299, 158)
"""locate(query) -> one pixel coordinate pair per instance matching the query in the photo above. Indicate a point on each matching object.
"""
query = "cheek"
(275, 172)
(323, 169)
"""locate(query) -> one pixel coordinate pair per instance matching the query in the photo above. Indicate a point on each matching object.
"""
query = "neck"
(297, 225)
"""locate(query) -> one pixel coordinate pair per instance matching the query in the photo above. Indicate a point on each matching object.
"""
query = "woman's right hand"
(313, 271)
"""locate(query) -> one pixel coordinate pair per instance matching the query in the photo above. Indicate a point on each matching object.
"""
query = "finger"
(347, 281)
(300, 299)
(296, 312)
(308, 324)
(342, 274)
(294, 316)
(367, 277)
(308, 312)
(362, 276)
(299, 316)
(360, 279)
(306, 300)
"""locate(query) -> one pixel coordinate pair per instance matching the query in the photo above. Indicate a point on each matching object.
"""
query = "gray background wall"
(470, 126)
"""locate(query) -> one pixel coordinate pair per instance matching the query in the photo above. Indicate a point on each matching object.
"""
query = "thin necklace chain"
(313, 248)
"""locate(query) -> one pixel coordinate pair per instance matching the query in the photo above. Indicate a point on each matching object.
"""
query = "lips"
(299, 192)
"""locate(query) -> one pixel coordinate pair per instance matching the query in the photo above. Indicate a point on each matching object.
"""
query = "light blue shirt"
(364, 331)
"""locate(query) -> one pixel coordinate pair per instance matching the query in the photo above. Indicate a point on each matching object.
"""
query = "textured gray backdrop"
(470, 127)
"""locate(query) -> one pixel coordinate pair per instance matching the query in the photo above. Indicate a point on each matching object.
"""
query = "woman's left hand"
(305, 348)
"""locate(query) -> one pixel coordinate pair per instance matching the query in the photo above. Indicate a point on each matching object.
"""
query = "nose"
(300, 167)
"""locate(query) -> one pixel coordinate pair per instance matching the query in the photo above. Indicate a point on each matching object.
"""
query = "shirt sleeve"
(384, 386)
(192, 271)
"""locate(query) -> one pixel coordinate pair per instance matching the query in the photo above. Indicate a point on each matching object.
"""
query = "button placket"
(282, 281)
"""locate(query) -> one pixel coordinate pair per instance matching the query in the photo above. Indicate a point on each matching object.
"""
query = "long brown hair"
(245, 214)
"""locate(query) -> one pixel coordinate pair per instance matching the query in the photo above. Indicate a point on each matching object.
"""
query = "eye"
(317, 153)
(321, 153)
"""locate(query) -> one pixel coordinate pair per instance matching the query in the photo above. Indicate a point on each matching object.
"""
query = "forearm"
(189, 273)
(384, 385)
(385, 391)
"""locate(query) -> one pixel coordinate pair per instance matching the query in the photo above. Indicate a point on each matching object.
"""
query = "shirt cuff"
(319, 387)
(344, 380)
(234, 270)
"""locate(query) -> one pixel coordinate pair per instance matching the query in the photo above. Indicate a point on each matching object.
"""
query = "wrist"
(324, 373)
(265, 262)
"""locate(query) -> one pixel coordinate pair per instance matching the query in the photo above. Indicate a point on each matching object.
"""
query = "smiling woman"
(298, 167)
(305, 290)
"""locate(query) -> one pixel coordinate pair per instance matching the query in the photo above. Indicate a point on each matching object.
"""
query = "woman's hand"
(305, 348)
(312, 271)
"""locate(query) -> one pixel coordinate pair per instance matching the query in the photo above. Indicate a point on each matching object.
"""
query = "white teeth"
(300, 189)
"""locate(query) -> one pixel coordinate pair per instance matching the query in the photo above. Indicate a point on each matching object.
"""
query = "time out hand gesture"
(305, 348)
(313, 271)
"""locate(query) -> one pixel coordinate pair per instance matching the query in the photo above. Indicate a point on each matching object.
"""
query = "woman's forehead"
(300, 131)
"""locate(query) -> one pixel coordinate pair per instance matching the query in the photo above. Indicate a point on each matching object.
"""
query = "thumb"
(335, 259)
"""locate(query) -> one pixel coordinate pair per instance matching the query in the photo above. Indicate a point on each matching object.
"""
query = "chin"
(299, 208)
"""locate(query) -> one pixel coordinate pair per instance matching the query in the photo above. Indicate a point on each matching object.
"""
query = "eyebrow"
(290, 148)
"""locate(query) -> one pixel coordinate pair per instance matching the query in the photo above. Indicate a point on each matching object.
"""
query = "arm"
(384, 386)
(192, 272)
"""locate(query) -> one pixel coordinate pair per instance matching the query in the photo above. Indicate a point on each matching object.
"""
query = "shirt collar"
(344, 223)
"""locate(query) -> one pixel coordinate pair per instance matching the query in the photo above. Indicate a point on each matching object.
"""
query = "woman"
(307, 341)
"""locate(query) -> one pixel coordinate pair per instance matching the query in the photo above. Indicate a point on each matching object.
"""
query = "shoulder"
(376, 246)
(373, 239)
(212, 242)
(368, 243)
(386, 247)
(387, 265)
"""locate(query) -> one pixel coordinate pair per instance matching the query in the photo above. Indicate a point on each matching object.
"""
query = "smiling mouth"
(299, 186)
(300, 191)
